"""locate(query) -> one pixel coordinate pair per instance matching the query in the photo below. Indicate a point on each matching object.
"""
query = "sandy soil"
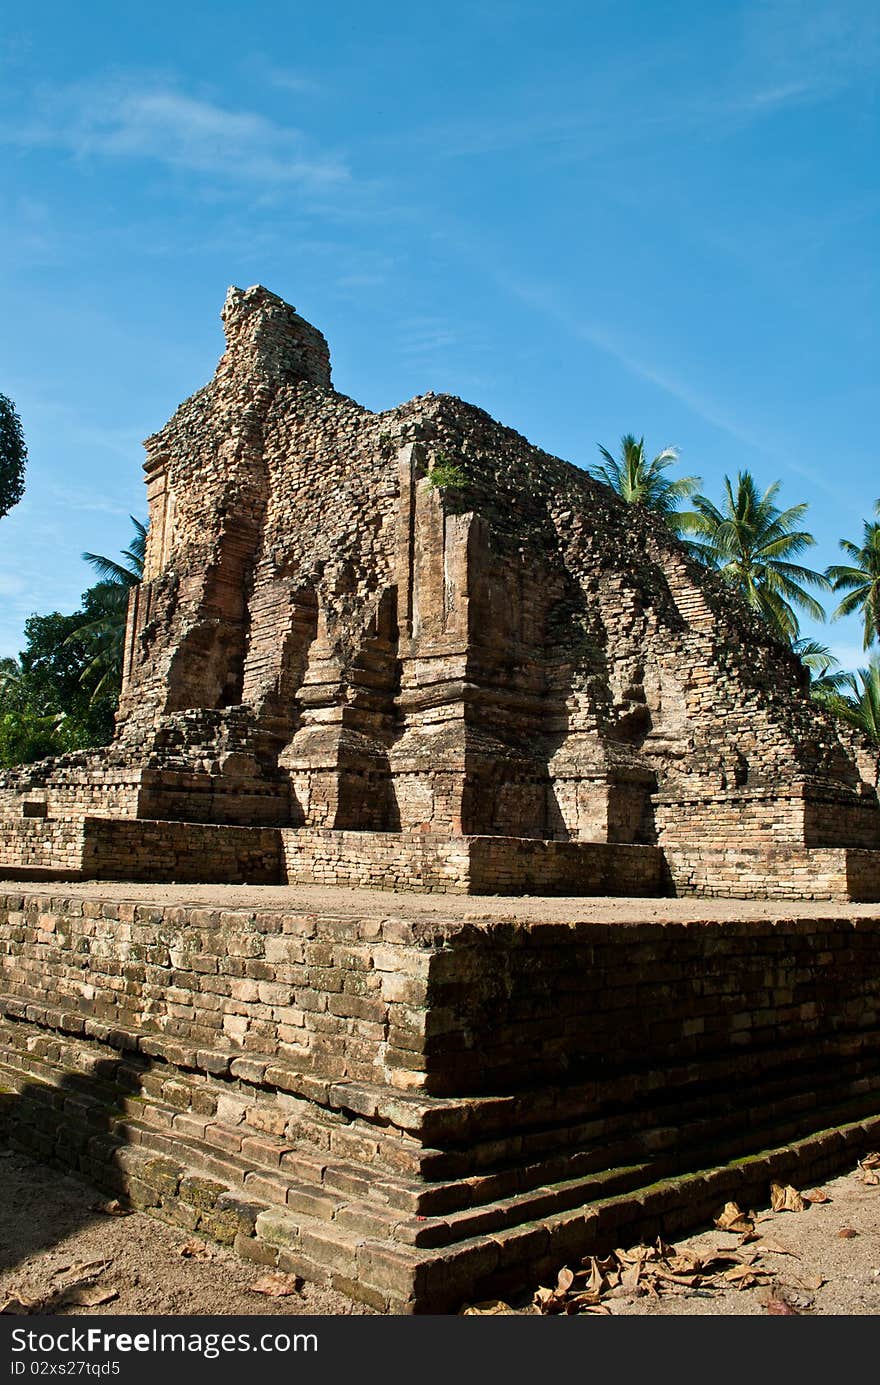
(849, 1266)
(48, 1227)
(333, 900)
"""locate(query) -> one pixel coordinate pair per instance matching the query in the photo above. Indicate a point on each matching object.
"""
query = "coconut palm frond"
(752, 543)
(639, 481)
(860, 579)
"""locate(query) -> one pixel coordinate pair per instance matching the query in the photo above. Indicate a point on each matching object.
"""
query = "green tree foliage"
(641, 482)
(13, 455)
(24, 735)
(104, 636)
(62, 691)
(826, 675)
(860, 579)
(45, 707)
(856, 700)
(753, 543)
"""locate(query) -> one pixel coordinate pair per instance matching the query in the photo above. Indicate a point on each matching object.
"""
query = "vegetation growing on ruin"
(445, 474)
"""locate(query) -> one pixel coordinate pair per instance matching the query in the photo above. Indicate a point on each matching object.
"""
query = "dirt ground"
(52, 1237)
(341, 902)
(810, 1266)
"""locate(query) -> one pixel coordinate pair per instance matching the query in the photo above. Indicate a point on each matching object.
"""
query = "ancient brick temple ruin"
(411, 650)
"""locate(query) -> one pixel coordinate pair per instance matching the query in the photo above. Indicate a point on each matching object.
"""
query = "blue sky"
(588, 218)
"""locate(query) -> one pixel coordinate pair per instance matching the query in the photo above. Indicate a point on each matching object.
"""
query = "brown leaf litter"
(661, 1269)
(76, 1286)
(277, 1285)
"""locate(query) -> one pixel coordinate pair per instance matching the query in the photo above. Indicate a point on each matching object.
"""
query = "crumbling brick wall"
(325, 639)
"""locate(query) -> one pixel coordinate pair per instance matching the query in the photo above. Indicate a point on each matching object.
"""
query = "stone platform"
(100, 848)
(418, 1103)
(136, 849)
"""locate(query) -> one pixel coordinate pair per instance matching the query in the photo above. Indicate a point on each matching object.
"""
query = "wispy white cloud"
(158, 122)
(782, 54)
(289, 79)
(816, 44)
(768, 98)
(710, 410)
(11, 584)
(94, 501)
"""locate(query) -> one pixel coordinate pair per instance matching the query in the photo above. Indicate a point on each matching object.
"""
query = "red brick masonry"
(419, 1110)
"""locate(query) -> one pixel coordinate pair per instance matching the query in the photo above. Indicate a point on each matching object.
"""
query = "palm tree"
(860, 578)
(640, 482)
(104, 636)
(751, 542)
(826, 676)
(123, 575)
(860, 704)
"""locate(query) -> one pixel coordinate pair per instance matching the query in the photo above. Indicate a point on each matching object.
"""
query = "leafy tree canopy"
(45, 709)
(13, 455)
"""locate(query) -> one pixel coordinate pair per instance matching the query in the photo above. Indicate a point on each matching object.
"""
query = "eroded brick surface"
(419, 685)
(444, 1107)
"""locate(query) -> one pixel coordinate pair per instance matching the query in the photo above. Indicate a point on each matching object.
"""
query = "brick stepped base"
(203, 853)
(146, 849)
(421, 1110)
(850, 874)
(401, 1224)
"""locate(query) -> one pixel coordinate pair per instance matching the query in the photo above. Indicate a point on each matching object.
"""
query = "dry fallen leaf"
(810, 1282)
(817, 1195)
(277, 1285)
(196, 1250)
(596, 1283)
(491, 1306)
(637, 1255)
(785, 1198)
(746, 1276)
(84, 1296)
(774, 1248)
(18, 1306)
(870, 1161)
(564, 1280)
(113, 1208)
(846, 1233)
(85, 1271)
(585, 1303)
(733, 1218)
